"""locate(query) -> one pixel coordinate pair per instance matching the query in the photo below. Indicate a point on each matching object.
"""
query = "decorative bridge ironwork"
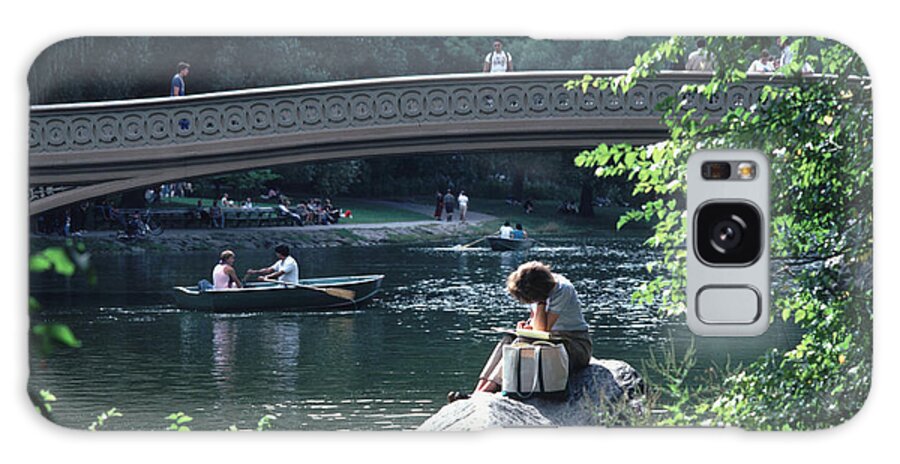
(85, 150)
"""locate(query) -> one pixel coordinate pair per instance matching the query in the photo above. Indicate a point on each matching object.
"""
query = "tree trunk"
(586, 203)
(518, 185)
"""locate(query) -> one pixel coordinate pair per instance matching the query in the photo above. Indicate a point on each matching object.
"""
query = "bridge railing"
(308, 108)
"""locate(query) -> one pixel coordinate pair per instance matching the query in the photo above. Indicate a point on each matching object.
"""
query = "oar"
(335, 292)
(459, 247)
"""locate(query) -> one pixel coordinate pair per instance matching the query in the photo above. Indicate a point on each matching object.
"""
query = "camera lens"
(728, 233)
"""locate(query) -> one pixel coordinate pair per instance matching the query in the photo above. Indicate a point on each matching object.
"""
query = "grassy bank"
(545, 220)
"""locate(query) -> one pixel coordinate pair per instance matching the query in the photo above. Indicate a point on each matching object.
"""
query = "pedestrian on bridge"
(176, 89)
(498, 60)
(700, 59)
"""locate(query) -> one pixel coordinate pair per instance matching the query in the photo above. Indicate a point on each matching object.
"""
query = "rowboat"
(510, 244)
(262, 296)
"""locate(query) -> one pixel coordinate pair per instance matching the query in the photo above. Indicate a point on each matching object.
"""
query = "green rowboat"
(263, 296)
(510, 244)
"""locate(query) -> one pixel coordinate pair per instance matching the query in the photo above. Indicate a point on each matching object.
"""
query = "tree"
(817, 133)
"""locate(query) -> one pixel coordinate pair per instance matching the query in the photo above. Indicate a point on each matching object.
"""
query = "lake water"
(388, 366)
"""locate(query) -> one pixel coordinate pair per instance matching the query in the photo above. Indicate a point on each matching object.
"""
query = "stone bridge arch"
(86, 150)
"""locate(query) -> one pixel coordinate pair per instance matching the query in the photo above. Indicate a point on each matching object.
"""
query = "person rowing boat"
(285, 269)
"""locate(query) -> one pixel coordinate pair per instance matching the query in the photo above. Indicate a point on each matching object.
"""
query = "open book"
(527, 333)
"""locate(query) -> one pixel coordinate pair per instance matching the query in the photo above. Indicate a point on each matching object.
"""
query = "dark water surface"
(388, 366)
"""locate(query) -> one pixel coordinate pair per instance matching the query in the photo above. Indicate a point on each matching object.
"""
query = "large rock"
(592, 392)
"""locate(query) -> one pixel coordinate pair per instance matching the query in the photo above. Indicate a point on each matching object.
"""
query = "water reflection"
(385, 367)
(224, 338)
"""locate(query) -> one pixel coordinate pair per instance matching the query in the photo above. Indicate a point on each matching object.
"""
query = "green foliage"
(179, 419)
(47, 399)
(64, 261)
(238, 185)
(265, 422)
(103, 418)
(55, 259)
(60, 333)
(818, 135)
(326, 179)
(681, 395)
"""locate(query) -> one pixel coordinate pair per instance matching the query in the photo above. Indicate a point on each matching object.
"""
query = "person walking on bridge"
(176, 88)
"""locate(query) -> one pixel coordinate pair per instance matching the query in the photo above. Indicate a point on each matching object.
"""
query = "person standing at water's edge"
(448, 204)
(176, 88)
(439, 206)
(463, 201)
(285, 269)
(223, 274)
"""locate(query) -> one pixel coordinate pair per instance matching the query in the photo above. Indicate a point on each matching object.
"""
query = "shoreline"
(480, 224)
(185, 240)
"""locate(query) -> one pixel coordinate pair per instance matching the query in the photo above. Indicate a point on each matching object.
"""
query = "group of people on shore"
(445, 204)
(314, 211)
(168, 190)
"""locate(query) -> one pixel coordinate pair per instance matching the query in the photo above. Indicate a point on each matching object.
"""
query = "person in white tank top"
(223, 274)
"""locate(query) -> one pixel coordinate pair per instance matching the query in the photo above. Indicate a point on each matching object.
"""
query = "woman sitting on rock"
(554, 308)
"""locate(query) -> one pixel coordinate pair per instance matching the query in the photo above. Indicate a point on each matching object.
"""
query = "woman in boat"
(519, 233)
(554, 308)
(223, 274)
(285, 268)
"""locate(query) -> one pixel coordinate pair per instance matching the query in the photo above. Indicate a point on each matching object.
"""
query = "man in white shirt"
(226, 202)
(285, 269)
(463, 201)
(498, 60)
(506, 230)
(700, 59)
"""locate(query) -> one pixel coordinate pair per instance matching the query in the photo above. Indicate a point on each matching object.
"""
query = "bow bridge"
(85, 150)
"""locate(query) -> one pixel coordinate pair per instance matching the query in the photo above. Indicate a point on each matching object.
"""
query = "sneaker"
(456, 395)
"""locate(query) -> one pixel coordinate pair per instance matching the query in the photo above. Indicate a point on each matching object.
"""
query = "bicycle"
(140, 226)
